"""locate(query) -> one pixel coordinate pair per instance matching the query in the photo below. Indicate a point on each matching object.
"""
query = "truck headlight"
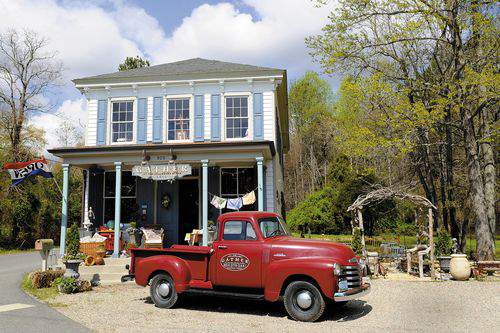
(337, 269)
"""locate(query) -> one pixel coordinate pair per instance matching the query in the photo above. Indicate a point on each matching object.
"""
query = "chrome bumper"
(351, 294)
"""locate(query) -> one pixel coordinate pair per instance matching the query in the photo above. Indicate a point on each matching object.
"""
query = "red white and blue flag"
(22, 170)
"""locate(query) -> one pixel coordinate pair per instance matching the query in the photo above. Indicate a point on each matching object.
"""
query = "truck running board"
(229, 294)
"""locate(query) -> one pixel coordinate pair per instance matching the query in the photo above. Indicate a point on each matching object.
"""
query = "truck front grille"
(352, 275)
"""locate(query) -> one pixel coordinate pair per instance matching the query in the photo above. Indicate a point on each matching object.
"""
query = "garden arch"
(384, 193)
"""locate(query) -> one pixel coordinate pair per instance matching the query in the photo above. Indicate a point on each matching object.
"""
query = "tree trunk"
(488, 158)
(485, 241)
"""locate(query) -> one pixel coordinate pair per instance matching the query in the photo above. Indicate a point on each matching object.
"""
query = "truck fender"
(176, 267)
(318, 270)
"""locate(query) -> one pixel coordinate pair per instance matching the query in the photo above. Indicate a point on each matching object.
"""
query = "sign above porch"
(162, 171)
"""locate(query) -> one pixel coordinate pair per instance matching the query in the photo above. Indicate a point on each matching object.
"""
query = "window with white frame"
(129, 209)
(236, 117)
(122, 121)
(178, 119)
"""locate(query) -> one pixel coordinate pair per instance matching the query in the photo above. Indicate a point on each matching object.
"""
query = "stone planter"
(444, 263)
(72, 268)
(459, 267)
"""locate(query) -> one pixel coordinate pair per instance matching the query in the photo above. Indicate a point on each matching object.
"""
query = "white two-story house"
(162, 141)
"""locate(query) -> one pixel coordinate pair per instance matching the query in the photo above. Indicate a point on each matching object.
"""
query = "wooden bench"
(488, 266)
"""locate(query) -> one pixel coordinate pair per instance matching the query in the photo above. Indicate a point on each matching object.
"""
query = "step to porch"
(109, 273)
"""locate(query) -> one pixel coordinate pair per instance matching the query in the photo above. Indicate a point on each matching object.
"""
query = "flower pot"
(72, 268)
(459, 267)
(444, 263)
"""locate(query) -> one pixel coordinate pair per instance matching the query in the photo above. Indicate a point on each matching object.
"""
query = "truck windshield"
(273, 226)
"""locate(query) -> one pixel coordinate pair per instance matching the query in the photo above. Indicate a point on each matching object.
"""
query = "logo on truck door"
(234, 262)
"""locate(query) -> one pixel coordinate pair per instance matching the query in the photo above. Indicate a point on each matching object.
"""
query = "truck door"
(239, 256)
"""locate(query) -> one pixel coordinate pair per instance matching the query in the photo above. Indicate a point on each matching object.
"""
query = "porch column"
(64, 214)
(118, 201)
(204, 199)
(260, 183)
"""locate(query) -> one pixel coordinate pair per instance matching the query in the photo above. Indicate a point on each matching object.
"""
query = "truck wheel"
(163, 291)
(303, 301)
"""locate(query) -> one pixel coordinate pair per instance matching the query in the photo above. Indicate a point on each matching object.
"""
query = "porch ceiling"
(193, 152)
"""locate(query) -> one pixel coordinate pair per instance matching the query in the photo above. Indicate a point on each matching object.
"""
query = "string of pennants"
(233, 203)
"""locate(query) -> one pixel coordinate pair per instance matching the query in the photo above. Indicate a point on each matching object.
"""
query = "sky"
(93, 37)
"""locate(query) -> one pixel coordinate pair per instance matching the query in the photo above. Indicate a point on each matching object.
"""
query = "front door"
(239, 256)
(188, 207)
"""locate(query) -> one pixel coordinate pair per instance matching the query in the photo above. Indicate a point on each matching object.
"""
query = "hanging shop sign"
(162, 171)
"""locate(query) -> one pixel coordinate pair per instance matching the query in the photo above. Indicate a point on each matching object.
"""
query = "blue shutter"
(215, 117)
(142, 112)
(258, 117)
(157, 119)
(198, 117)
(102, 110)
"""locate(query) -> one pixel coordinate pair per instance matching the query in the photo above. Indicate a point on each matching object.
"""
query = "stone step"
(103, 269)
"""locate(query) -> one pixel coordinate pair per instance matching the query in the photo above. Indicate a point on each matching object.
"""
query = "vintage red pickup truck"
(253, 256)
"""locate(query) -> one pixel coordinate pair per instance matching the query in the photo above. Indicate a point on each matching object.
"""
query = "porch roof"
(187, 152)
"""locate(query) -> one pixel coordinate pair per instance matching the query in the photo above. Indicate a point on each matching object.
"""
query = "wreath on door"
(165, 201)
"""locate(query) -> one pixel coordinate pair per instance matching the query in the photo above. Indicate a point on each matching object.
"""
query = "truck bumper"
(355, 293)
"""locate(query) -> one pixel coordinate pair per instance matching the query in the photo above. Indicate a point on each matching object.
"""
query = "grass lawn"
(12, 251)
(43, 294)
(407, 241)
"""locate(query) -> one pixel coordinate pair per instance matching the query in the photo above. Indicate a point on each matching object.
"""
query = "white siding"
(91, 128)
(149, 120)
(269, 187)
(269, 116)
(206, 89)
(207, 109)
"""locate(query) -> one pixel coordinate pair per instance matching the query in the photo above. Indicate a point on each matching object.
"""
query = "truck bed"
(196, 257)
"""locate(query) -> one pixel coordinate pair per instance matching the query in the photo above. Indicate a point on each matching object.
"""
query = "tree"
(441, 56)
(69, 135)
(133, 62)
(27, 72)
(310, 101)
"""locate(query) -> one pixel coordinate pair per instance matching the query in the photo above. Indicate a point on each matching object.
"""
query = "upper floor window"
(236, 117)
(122, 121)
(178, 119)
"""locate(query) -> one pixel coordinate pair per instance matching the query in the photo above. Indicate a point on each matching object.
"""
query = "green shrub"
(356, 243)
(317, 213)
(444, 243)
(45, 279)
(73, 244)
(66, 285)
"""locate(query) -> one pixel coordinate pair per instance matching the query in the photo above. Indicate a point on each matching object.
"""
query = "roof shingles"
(196, 68)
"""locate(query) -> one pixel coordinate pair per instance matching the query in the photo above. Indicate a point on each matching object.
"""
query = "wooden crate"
(90, 249)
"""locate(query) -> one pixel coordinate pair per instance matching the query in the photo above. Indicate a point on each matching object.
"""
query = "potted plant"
(444, 246)
(132, 231)
(73, 258)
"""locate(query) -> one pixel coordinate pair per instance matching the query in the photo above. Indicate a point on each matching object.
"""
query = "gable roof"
(196, 68)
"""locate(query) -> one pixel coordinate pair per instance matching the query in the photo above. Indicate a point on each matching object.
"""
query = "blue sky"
(93, 37)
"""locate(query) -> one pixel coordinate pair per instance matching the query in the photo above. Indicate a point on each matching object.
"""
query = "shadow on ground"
(353, 310)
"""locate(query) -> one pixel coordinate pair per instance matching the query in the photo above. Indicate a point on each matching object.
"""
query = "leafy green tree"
(439, 63)
(310, 100)
(133, 62)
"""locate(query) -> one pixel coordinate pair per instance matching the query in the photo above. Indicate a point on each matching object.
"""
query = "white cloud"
(93, 37)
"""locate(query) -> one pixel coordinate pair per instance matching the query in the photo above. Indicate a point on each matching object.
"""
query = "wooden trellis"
(385, 193)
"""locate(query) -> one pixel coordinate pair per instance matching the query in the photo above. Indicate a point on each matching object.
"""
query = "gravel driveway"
(393, 306)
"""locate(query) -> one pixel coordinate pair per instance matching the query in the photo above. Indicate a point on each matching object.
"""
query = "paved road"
(20, 312)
